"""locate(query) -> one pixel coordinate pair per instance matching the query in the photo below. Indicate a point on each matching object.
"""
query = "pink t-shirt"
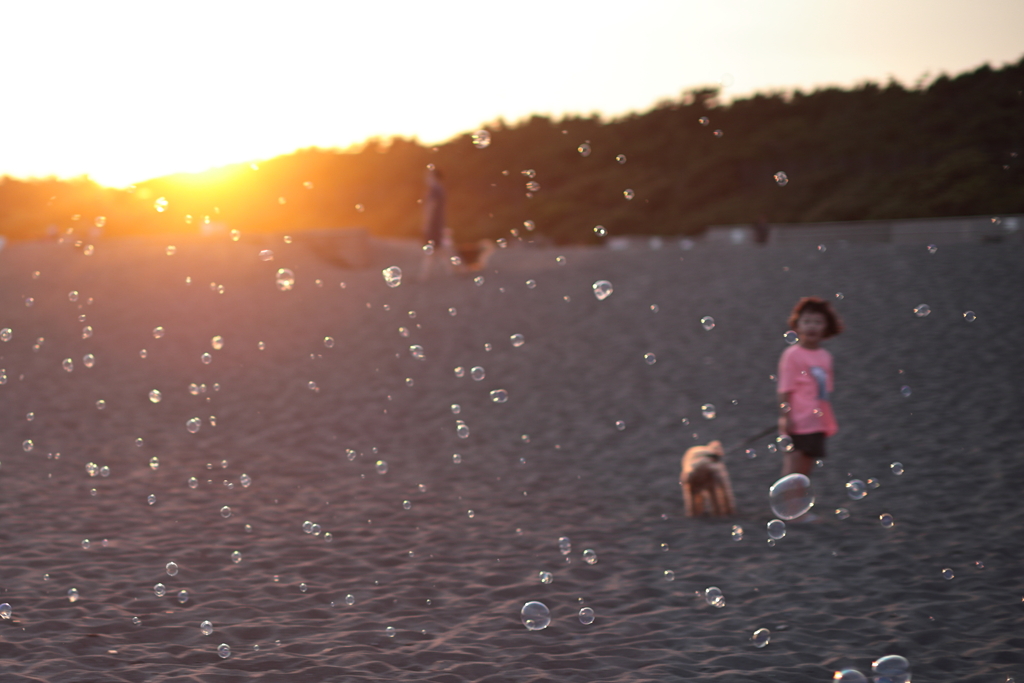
(806, 375)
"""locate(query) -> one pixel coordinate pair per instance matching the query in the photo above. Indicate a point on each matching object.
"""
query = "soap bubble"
(784, 443)
(160, 204)
(517, 340)
(628, 194)
(621, 158)
(68, 365)
(969, 316)
(707, 411)
(584, 150)
(564, 545)
(842, 513)
(416, 351)
(5, 611)
(155, 396)
(392, 276)
(225, 512)
(481, 139)
(285, 279)
(602, 289)
(477, 373)
(856, 489)
(536, 616)
(703, 120)
(350, 600)
(236, 557)
(905, 391)
(183, 596)
(589, 556)
(172, 569)
(245, 480)
(461, 430)
(620, 425)
(206, 628)
(600, 230)
(714, 597)
(224, 650)
(896, 468)
(72, 595)
(545, 577)
(159, 590)
(193, 425)
(849, 676)
(650, 358)
(499, 396)
(719, 133)
(922, 310)
(885, 519)
(791, 337)
(948, 574)
(456, 459)
(890, 669)
(586, 616)
(669, 575)
(781, 179)
(390, 631)
(707, 322)
(761, 637)
(27, 445)
(381, 466)
(791, 496)
(531, 284)
(154, 463)
(776, 529)
(265, 255)
(217, 343)
(737, 533)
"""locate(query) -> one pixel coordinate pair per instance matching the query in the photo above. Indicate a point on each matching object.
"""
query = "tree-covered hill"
(952, 147)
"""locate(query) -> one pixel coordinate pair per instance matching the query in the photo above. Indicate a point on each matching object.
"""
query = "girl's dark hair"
(813, 304)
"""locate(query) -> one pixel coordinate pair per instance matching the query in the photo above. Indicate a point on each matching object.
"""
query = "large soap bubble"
(890, 669)
(791, 496)
(536, 616)
(849, 676)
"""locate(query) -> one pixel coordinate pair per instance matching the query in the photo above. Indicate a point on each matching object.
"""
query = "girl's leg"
(797, 462)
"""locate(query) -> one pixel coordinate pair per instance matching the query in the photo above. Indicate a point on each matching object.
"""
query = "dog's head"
(712, 451)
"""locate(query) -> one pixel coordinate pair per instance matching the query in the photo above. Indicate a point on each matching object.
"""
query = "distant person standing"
(433, 219)
(805, 385)
(761, 230)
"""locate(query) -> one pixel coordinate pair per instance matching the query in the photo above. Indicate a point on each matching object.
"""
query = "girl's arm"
(783, 403)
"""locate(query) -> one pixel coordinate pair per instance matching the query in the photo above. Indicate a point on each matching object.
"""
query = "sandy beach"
(448, 543)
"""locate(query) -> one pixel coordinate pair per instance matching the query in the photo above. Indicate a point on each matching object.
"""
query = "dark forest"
(951, 147)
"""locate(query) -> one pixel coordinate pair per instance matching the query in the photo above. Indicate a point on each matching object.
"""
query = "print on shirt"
(821, 377)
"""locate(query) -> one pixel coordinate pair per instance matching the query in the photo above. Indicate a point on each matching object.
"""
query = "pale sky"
(125, 91)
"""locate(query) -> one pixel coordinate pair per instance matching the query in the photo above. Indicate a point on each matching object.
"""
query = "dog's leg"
(688, 499)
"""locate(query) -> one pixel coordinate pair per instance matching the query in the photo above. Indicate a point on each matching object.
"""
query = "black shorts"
(811, 445)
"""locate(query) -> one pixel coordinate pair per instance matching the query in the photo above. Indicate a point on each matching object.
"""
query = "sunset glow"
(123, 92)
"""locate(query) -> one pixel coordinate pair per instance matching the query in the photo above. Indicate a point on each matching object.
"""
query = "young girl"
(805, 385)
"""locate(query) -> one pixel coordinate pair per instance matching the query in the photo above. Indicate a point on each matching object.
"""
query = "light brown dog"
(705, 482)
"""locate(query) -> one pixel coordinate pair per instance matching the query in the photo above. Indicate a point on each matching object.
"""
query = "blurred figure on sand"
(761, 230)
(433, 219)
(805, 385)
(469, 257)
